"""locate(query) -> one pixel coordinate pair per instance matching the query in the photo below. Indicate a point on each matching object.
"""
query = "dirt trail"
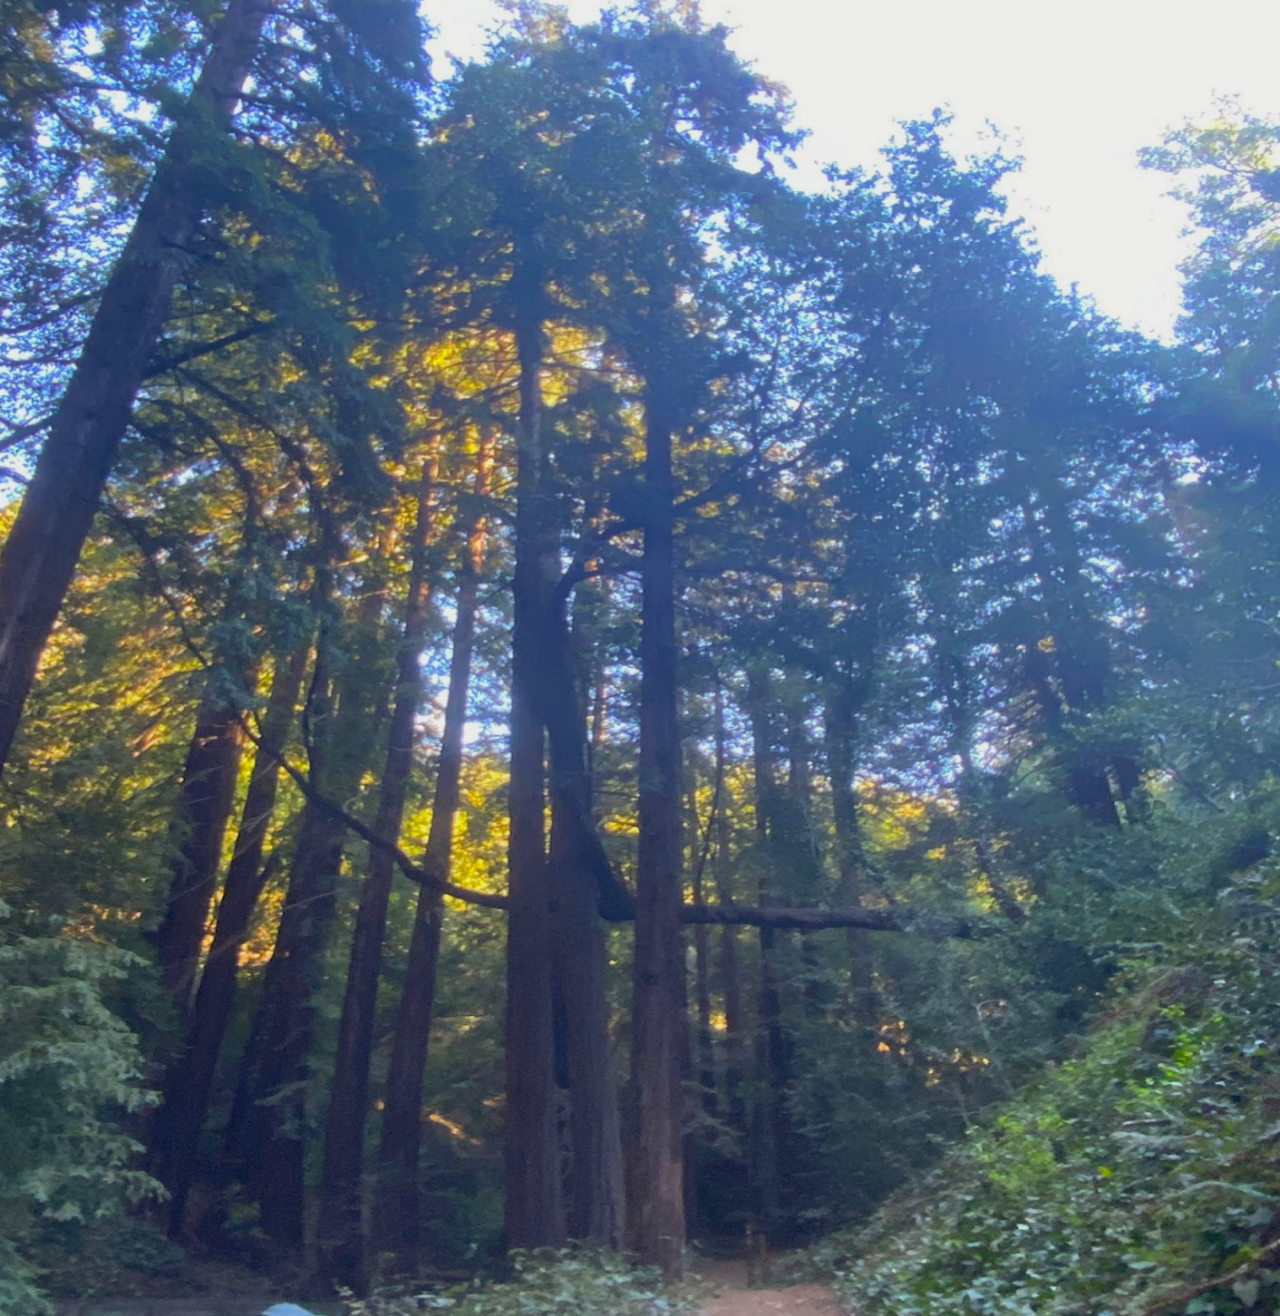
(734, 1298)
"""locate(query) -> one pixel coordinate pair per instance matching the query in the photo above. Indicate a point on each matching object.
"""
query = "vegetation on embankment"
(1141, 1177)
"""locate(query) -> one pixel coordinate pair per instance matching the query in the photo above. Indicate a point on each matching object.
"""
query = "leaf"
(1247, 1291)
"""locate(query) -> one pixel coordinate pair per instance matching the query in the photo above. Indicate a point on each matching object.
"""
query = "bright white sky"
(1077, 87)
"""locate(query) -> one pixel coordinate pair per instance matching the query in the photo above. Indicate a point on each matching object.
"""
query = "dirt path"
(734, 1298)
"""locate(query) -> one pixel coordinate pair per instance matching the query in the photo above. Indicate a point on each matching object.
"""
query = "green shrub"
(549, 1282)
(68, 1068)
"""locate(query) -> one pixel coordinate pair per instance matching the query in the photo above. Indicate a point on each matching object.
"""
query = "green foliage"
(549, 1282)
(1125, 1179)
(68, 1069)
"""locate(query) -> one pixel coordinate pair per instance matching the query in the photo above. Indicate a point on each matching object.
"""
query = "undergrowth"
(1140, 1178)
(549, 1282)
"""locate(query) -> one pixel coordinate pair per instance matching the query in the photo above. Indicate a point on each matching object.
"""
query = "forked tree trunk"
(656, 1184)
(189, 1081)
(340, 1230)
(40, 555)
(398, 1208)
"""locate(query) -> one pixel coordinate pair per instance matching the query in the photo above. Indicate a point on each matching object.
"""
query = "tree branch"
(815, 920)
(416, 873)
(194, 351)
(810, 920)
(1178, 1298)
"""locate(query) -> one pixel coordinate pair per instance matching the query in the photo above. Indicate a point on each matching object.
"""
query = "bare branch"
(416, 873)
(815, 920)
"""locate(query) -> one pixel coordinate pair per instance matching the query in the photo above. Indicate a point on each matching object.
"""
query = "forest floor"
(734, 1297)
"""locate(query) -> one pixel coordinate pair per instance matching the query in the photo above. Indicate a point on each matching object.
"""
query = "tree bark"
(340, 1229)
(204, 811)
(398, 1209)
(656, 1187)
(534, 1204)
(581, 882)
(596, 1198)
(40, 554)
(773, 1049)
(700, 852)
(189, 1080)
(735, 1023)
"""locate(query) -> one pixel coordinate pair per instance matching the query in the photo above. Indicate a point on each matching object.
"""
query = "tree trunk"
(398, 1209)
(843, 704)
(656, 1187)
(204, 810)
(580, 961)
(1081, 660)
(735, 1024)
(189, 1081)
(534, 1206)
(953, 678)
(40, 555)
(340, 1230)
(772, 1045)
(700, 852)
(267, 1132)
(596, 1198)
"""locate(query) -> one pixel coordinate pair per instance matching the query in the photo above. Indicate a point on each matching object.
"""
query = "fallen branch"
(815, 920)
(1177, 1299)
(809, 920)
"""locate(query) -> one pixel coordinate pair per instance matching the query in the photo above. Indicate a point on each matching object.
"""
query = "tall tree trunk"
(580, 962)
(772, 1046)
(189, 1080)
(735, 1024)
(40, 554)
(659, 1030)
(801, 842)
(397, 1212)
(204, 811)
(700, 852)
(267, 1132)
(340, 1229)
(534, 1206)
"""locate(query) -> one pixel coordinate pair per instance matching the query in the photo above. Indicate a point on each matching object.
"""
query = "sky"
(1077, 89)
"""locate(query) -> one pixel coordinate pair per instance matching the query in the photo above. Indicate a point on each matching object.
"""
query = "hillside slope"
(1138, 1178)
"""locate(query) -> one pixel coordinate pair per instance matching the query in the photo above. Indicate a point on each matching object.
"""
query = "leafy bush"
(549, 1282)
(67, 1065)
